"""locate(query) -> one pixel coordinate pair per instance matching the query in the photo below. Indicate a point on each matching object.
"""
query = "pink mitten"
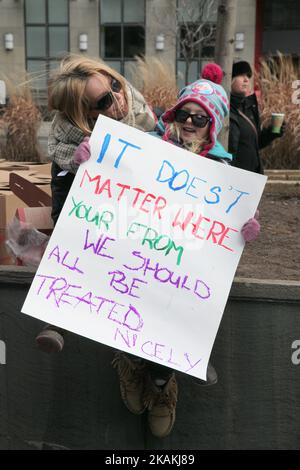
(83, 152)
(251, 228)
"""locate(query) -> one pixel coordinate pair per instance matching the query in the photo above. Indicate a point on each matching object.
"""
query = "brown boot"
(131, 374)
(161, 403)
(50, 339)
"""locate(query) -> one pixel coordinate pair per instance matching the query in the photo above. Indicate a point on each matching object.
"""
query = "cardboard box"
(38, 217)
(11, 204)
(26, 243)
(39, 174)
(6, 257)
(37, 167)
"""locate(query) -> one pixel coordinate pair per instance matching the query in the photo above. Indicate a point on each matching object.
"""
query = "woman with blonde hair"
(80, 90)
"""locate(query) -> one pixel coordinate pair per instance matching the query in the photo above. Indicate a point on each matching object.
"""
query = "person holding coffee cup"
(277, 122)
(246, 137)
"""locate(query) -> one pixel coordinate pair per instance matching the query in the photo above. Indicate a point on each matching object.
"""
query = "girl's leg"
(160, 397)
(131, 371)
(147, 385)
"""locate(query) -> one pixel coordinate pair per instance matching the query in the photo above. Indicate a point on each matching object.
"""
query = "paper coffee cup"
(277, 120)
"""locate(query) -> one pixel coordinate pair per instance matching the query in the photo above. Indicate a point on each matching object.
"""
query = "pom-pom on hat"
(241, 68)
(213, 72)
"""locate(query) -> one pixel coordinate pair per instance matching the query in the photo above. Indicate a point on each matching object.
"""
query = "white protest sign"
(143, 255)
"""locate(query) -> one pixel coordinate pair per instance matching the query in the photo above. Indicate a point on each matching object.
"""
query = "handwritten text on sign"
(146, 247)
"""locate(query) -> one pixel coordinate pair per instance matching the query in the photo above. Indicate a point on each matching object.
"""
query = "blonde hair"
(249, 92)
(196, 146)
(66, 91)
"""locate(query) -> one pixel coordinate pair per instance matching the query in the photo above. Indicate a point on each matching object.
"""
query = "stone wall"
(72, 400)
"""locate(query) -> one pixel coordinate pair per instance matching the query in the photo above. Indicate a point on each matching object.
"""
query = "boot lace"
(161, 397)
(128, 370)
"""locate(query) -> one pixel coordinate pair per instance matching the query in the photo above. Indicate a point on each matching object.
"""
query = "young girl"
(194, 124)
(82, 89)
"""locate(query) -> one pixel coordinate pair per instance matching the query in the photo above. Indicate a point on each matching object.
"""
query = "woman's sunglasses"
(197, 119)
(107, 100)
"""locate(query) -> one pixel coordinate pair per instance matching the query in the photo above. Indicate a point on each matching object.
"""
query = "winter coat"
(244, 141)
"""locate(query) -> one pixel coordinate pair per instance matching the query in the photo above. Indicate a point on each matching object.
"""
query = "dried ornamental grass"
(157, 82)
(20, 122)
(275, 81)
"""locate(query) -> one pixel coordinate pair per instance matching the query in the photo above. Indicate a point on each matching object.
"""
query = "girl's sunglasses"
(197, 119)
(107, 100)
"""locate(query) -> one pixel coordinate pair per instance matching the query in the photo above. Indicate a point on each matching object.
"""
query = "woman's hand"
(83, 152)
(251, 228)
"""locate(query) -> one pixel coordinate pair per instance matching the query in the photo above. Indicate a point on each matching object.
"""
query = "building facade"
(35, 34)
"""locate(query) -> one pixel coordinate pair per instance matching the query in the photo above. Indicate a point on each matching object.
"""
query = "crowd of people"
(82, 89)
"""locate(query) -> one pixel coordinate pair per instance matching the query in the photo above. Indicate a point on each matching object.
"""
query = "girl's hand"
(83, 152)
(251, 228)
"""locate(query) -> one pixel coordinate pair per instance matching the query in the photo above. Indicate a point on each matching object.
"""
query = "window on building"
(196, 38)
(281, 25)
(281, 15)
(47, 37)
(122, 33)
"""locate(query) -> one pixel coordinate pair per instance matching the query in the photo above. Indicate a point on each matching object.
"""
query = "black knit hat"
(241, 68)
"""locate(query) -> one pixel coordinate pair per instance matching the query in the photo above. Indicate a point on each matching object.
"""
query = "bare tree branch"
(194, 27)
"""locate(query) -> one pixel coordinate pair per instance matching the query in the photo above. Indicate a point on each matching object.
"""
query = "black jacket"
(244, 142)
(60, 187)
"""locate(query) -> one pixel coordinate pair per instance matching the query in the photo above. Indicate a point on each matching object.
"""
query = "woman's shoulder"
(60, 123)
(63, 130)
(135, 98)
(144, 117)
